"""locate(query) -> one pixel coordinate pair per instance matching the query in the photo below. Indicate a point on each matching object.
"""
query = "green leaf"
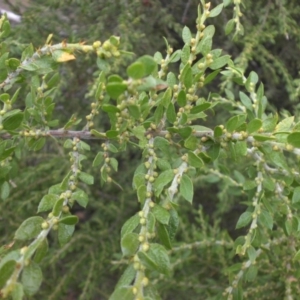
(285, 125)
(103, 64)
(173, 223)
(65, 233)
(175, 56)
(5, 29)
(69, 220)
(68, 144)
(244, 219)
(269, 123)
(13, 63)
(194, 160)
(86, 178)
(186, 188)
(163, 235)
(262, 138)
(124, 293)
(81, 197)
(156, 259)
(171, 113)
(185, 54)
(149, 64)
(136, 70)
(127, 277)
(134, 111)
(112, 134)
(57, 208)
(181, 98)
(219, 62)
(114, 78)
(162, 144)
(251, 273)
(191, 143)
(218, 131)
(171, 79)
(186, 76)
(216, 11)
(166, 98)
(214, 151)
(204, 47)
(109, 108)
(252, 78)
(142, 193)
(278, 159)
(249, 185)
(265, 219)
(5, 189)
(115, 89)
(114, 164)
(185, 132)
(251, 254)
(162, 180)
(112, 148)
(210, 77)
(254, 125)
(158, 57)
(233, 123)
(294, 139)
(200, 107)
(186, 35)
(240, 148)
(161, 214)
(29, 229)
(246, 101)
(6, 271)
(99, 159)
(229, 26)
(41, 251)
(151, 221)
(130, 243)
(47, 202)
(18, 291)
(296, 195)
(12, 122)
(130, 225)
(31, 278)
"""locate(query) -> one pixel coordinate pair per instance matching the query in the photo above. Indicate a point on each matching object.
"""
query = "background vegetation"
(89, 266)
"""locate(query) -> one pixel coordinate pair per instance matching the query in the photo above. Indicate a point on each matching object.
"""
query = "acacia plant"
(184, 135)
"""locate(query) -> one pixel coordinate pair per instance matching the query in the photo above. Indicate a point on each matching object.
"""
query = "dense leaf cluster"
(163, 173)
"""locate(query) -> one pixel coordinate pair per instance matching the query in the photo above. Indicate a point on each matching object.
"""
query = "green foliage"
(164, 129)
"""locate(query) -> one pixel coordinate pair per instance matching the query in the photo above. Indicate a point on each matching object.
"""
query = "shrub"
(189, 137)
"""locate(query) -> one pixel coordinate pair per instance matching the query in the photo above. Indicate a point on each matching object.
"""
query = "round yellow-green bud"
(151, 179)
(45, 225)
(23, 250)
(96, 44)
(145, 281)
(136, 265)
(145, 247)
(66, 209)
(200, 66)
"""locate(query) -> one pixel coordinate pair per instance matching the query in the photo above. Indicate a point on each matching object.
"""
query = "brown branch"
(87, 135)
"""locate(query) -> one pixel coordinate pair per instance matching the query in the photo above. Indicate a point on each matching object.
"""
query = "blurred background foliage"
(89, 266)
